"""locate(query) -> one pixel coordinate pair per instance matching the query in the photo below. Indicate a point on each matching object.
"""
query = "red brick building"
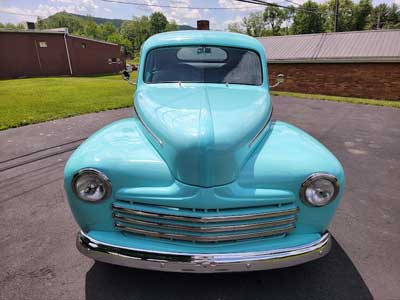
(363, 64)
(30, 53)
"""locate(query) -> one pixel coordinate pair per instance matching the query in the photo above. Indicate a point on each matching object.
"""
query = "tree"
(140, 29)
(346, 15)
(117, 38)
(236, 27)
(393, 17)
(73, 23)
(19, 26)
(172, 26)
(254, 24)
(362, 12)
(378, 16)
(274, 17)
(289, 14)
(383, 16)
(308, 19)
(137, 31)
(107, 29)
(92, 30)
(158, 23)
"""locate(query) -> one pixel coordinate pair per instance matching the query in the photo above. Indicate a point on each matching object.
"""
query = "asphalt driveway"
(37, 232)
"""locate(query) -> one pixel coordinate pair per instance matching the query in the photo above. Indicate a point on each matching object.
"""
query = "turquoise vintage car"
(201, 178)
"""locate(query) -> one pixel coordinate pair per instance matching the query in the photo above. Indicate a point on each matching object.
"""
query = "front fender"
(283, 160)
(123, 153)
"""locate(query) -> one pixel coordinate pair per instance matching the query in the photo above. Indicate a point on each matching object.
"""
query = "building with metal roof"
(352, 46)
(362, 64)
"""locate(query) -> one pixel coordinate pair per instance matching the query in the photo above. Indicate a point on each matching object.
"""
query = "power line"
(172, 6)
(293, 2)
(265, 3)
(257, 2)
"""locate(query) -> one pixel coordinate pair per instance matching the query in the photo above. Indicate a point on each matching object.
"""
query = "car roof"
(202, 37)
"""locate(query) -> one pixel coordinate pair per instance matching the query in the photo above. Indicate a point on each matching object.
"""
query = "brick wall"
(363, 80)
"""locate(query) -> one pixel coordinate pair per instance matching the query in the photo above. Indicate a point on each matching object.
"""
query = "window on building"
(43, 44)
(114, 60)
(83, 45)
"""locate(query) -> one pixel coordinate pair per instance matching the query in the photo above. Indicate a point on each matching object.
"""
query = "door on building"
(52, 56)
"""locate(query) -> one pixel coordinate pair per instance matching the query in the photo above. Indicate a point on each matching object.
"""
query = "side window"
(43, 44)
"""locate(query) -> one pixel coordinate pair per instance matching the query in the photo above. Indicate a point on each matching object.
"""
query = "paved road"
(39, 261)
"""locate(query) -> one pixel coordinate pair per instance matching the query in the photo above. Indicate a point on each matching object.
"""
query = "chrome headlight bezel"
(311, 179)
(100, 176)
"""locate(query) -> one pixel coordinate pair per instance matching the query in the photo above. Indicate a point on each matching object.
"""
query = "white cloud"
(87, 4)
(244, 7)
(237, 19)
(179, 14)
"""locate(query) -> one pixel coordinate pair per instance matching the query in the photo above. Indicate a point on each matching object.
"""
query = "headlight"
(91, 185)
(319, 189)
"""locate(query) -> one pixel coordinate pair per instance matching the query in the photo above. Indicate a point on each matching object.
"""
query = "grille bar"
(205, 229)
(205, 219)
(200, 238)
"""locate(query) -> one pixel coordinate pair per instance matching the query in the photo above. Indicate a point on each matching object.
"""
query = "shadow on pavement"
(331, 277)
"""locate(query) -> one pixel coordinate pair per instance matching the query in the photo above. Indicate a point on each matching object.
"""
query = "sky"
(15, 11)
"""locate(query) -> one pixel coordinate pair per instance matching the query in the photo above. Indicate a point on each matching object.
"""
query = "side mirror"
(126, 74)
(280, 78)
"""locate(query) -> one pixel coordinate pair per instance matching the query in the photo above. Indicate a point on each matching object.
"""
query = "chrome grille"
(202, 225)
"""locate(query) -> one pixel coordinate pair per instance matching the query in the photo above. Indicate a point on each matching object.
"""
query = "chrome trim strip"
(158, 140)
(262, 128)
(202, 228)
(205, 219)
(202, 262)
(204, 238)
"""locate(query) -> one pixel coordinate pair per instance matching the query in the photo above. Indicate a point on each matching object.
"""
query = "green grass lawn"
(339, 99)
(33, 100)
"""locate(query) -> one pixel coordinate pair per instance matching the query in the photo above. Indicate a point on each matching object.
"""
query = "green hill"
(116, 22)
(98, 20)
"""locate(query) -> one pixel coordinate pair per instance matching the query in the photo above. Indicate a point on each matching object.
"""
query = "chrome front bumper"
(203, 263)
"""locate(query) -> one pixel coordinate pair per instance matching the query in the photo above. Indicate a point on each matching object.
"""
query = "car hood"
(203, 132)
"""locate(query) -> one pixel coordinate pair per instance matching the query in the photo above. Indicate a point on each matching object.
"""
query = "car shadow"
(331, 277)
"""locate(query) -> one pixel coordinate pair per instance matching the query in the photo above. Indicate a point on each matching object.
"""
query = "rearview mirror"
(280, 78)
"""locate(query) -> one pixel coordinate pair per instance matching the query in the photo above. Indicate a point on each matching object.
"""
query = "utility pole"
(335, 24)
(379, 21)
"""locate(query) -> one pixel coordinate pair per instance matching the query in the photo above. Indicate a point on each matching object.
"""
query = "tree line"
(131, 34)
(312, 17)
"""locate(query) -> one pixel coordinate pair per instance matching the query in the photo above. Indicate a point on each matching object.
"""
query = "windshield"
(208, 64)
